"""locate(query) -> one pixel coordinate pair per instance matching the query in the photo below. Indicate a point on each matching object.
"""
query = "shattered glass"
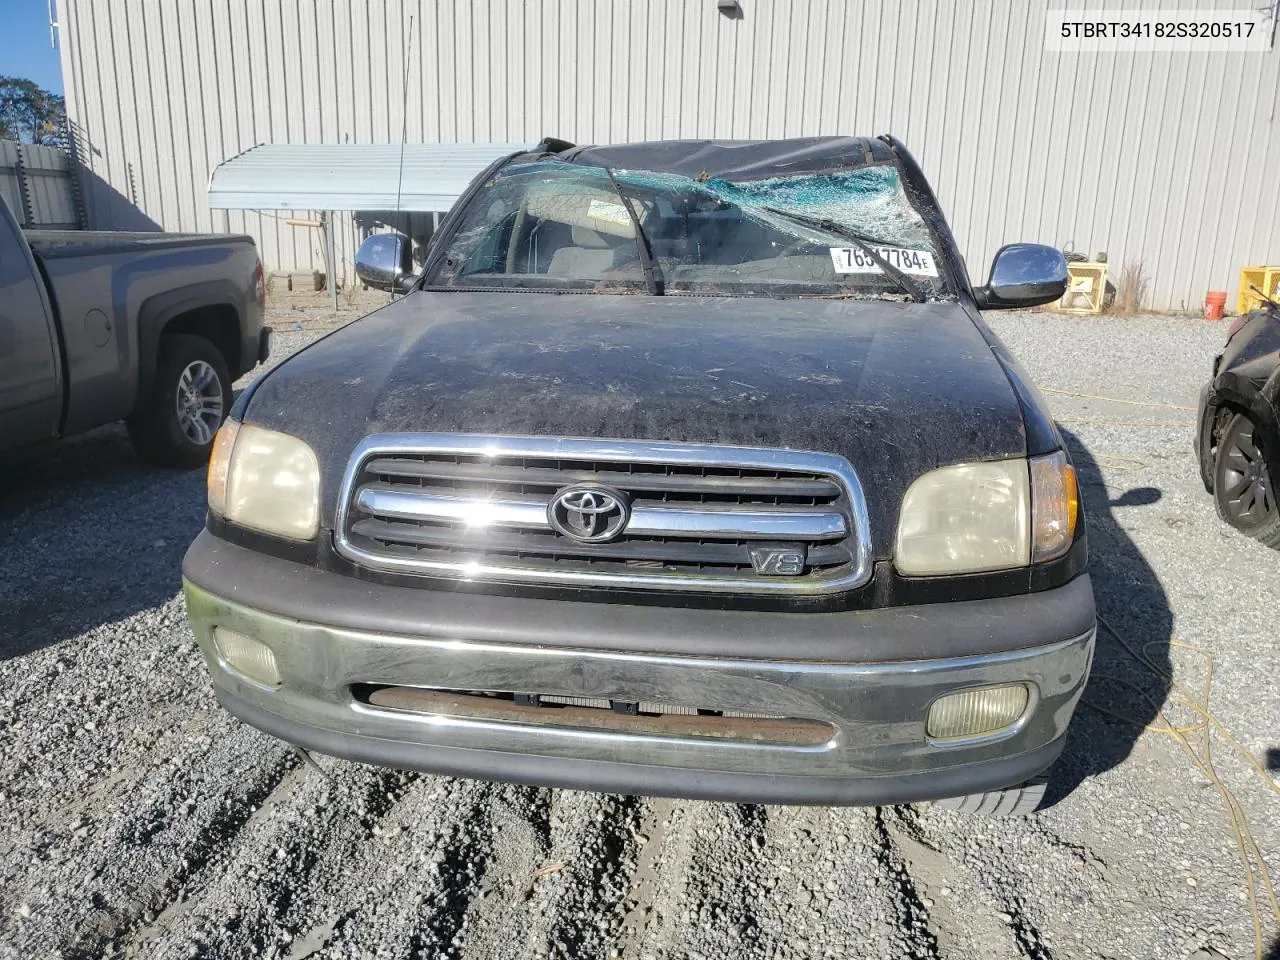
(553, 224)
(868, 200)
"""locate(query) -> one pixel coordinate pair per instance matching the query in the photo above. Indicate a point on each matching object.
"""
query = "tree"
(30, 114)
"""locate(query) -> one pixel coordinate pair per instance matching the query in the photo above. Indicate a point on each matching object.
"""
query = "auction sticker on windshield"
(918, 263)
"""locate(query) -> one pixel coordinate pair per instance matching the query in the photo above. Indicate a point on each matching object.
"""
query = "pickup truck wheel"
(1015, 802)
(1243, 489)
(174, 427)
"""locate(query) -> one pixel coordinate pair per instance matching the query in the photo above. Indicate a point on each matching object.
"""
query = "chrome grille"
(475, 507)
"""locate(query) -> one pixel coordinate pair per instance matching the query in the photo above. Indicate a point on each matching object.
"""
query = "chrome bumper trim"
(877, 710)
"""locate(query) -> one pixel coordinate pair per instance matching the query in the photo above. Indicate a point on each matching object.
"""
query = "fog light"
(974, 713)
(249, 657)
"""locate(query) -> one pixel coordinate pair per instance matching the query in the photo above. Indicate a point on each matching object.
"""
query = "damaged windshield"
(548, 224)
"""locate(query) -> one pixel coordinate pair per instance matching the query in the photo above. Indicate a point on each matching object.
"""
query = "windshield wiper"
(652, 273)
(908, 286)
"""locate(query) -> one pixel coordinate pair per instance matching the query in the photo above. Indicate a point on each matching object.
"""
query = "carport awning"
(351, 176)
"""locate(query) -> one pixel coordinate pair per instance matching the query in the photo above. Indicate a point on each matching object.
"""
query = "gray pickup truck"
(149, 328)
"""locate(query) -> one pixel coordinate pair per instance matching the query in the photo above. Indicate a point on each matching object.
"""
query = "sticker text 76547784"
(917, 263)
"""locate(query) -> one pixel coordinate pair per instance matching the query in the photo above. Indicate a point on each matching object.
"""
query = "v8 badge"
(775, 561)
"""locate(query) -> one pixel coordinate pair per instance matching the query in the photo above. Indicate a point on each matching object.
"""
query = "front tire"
(1243, 490)
(1016, 801)
(190, 397)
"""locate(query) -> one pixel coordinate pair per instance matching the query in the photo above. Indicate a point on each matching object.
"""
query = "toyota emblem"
(588, 512)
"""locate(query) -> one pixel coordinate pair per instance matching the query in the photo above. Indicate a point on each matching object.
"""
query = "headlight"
(265, 480)
(975, 517)
(966, 518)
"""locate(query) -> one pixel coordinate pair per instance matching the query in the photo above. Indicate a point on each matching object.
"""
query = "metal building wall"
(1172, 159)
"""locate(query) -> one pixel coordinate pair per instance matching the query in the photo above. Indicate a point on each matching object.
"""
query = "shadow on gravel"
(1131, 599)
(91, 535)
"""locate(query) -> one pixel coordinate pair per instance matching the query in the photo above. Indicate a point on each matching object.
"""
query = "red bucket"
(1215, 301)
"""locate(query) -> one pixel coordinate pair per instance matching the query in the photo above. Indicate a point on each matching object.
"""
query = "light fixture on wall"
(730, 8)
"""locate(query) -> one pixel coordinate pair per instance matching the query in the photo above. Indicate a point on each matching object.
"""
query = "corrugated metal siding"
(1166, 158)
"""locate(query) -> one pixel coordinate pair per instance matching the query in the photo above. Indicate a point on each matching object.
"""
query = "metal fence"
(39, 185)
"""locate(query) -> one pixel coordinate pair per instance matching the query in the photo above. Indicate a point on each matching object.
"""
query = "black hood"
(897, 388)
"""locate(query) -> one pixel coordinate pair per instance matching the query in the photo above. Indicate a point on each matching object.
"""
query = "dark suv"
(683, 468)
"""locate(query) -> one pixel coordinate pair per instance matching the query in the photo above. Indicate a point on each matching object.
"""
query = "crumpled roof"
(738, 159)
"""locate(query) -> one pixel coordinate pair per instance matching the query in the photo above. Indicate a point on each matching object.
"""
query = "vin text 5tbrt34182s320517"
(681, 468)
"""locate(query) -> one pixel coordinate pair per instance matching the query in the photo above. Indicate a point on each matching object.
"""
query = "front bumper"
(330, 637)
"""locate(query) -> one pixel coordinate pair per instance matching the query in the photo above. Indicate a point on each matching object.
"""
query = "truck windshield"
(554, 225)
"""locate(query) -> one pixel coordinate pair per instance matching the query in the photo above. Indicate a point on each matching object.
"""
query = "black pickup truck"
(682, 468)
(149, 328)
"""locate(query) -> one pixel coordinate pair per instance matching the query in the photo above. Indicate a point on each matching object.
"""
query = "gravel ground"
(138, 819)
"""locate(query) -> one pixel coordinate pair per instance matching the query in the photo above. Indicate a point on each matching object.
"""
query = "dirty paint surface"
(896, 388)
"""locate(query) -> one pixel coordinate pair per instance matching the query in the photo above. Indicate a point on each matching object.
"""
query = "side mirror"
(1023, 275)
(385, 262)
